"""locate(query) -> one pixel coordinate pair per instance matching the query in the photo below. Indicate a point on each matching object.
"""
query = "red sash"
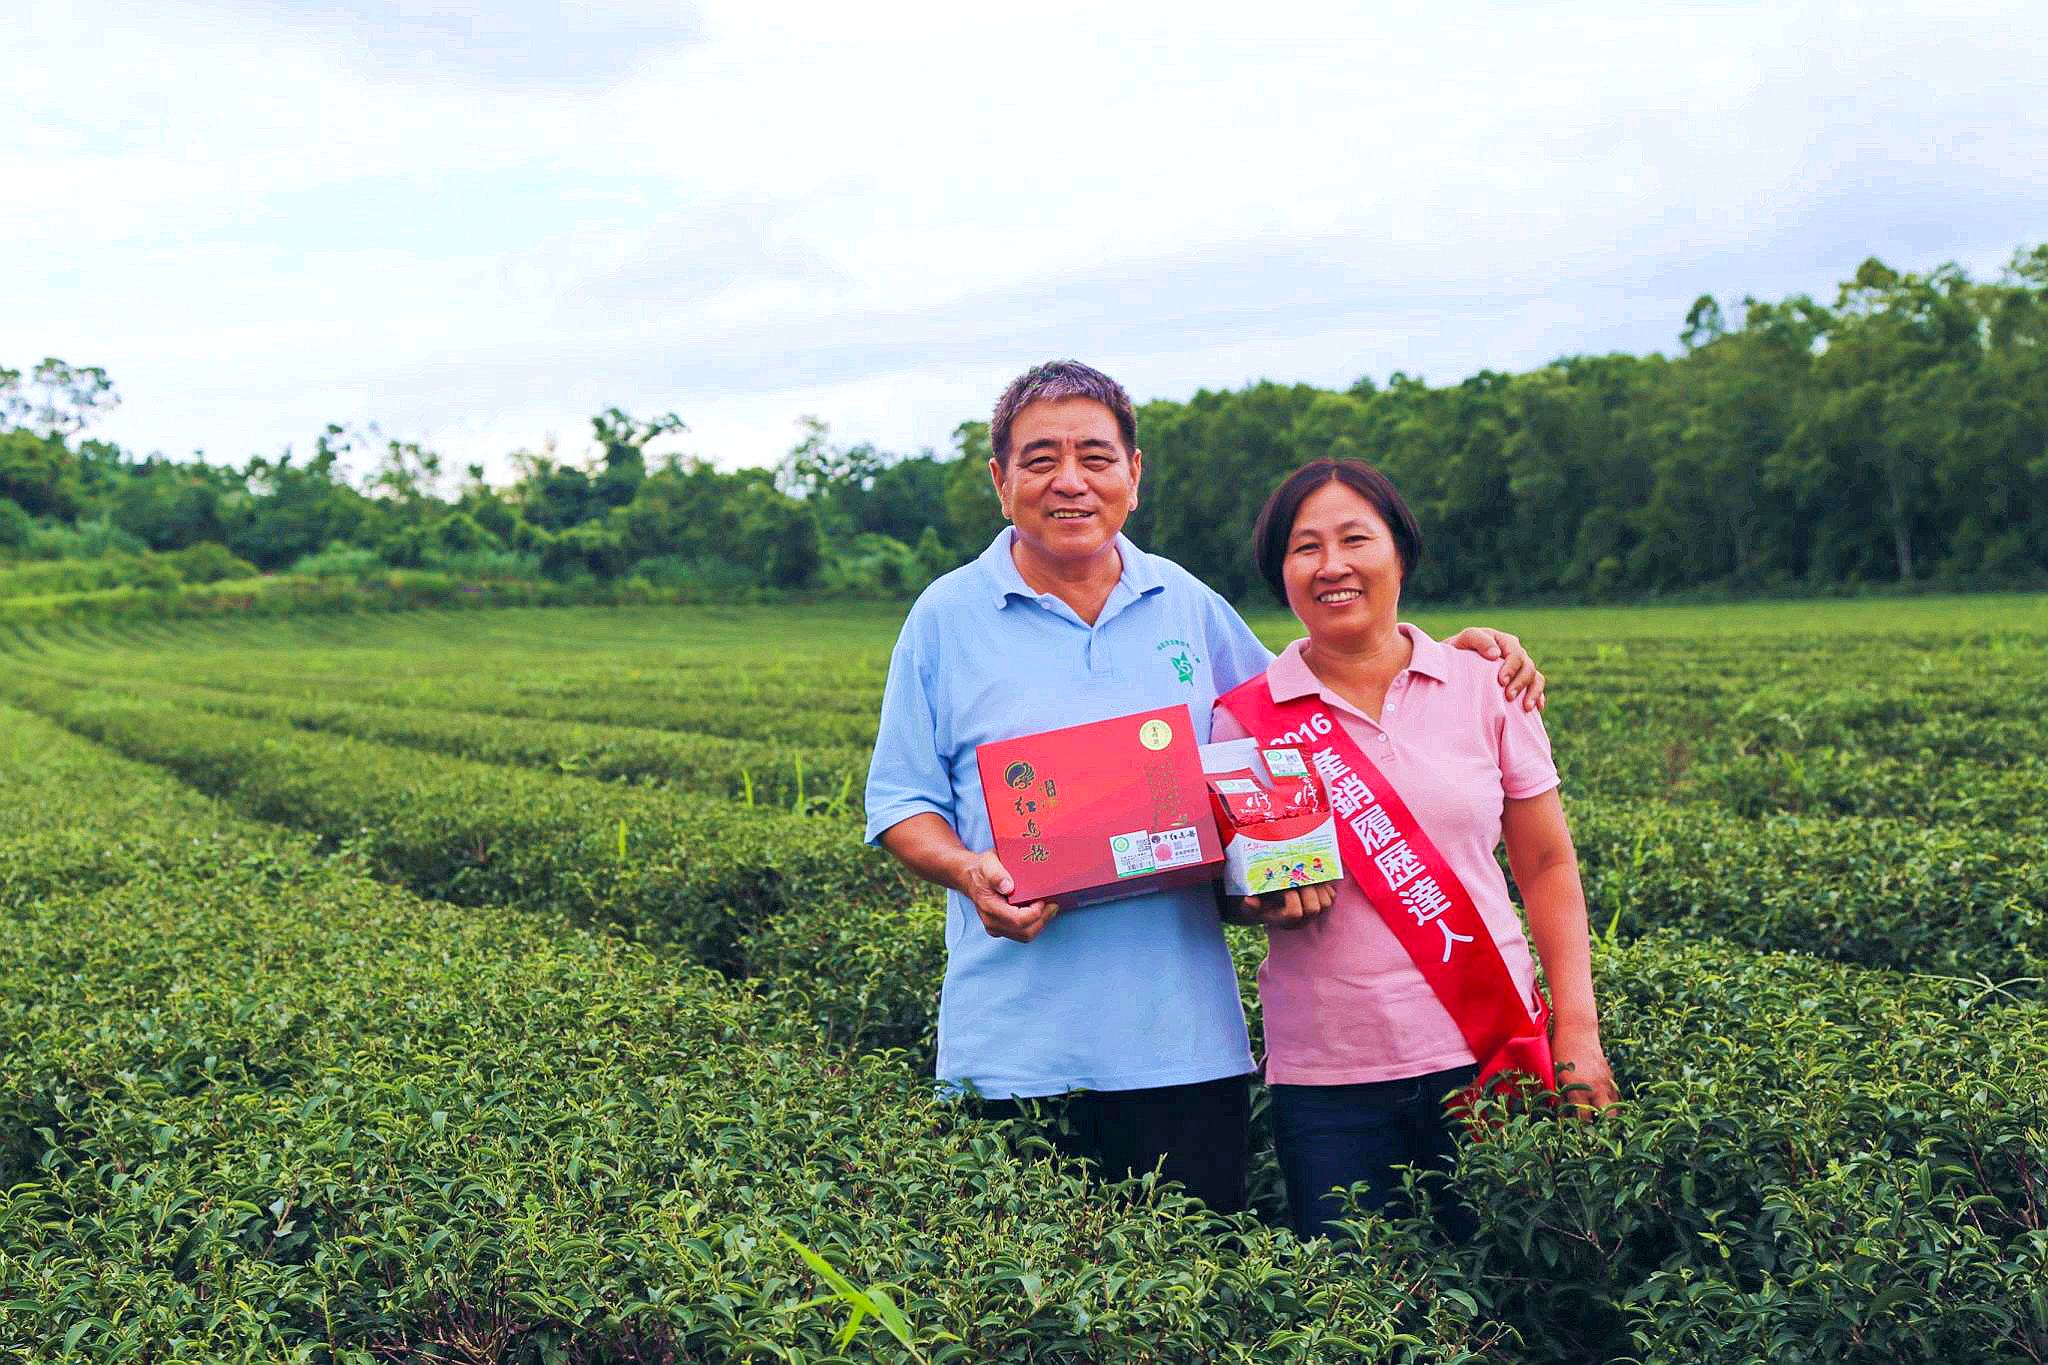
(1412, 886)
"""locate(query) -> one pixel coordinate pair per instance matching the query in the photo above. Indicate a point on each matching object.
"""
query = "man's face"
(1070, 485)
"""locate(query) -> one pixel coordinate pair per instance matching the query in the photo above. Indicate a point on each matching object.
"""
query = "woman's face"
(1343, 572)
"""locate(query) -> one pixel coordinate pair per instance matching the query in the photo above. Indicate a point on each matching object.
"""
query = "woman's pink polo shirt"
(1343, 1003)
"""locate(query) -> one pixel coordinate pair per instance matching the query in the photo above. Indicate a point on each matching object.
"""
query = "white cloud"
(479, 224)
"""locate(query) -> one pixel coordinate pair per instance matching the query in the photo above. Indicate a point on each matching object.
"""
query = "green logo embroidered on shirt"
(1183, 662)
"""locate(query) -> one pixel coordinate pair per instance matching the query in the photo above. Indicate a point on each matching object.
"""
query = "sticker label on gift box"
(1133, 853)
(1177, 848)
(1285, 763)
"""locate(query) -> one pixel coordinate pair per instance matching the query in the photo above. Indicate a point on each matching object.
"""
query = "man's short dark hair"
(1276, 519)
(1050, 382)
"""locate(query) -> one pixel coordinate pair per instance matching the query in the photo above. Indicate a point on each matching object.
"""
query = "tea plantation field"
(512, 985)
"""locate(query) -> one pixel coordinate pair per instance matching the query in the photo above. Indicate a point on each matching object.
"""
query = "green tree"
(834, 479)
(907, 499)
(973, 512)
(15, 525)
(57, 399)
(622, 442)
(1900, 430)
(1895, 346)
(170, 506)
(292, 510)
(491, 510)
(593, 548)
(552, 495)
(1208, 465)
(690, 511)
(406, 475)
(1992, 458)
(782, 535)
(39, 473)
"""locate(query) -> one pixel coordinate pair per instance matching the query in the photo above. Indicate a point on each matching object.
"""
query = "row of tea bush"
(1829, 1161)
(1883, 892)
(257, 1107)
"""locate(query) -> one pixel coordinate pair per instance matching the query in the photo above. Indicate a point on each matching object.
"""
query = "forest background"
(1895, 436)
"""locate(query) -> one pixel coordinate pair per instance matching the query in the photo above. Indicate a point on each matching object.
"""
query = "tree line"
(1897, 433)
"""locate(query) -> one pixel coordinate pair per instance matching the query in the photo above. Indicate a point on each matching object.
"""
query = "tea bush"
(1816, 1160)
(1897, 893)
(802, 780)
(1939, 899)
(1725, 1203)
(1815, 1163)
(60, 807)
(814, 715)
(287, 1113)
(1752, 1081)
(749, 892)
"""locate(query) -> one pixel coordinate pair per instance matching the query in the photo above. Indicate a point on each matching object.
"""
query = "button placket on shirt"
(1052, 606)
(1101, 658)
(1390, 707)
(1385, 750)
(1101, 661)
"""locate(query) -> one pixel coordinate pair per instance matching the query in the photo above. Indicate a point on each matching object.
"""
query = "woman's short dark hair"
(1276, 519)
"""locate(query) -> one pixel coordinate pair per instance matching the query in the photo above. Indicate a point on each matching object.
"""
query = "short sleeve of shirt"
(1526, 768)
(906, 775)
(1235, 653)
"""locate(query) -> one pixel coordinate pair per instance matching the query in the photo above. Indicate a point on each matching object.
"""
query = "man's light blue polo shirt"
(1121, 996)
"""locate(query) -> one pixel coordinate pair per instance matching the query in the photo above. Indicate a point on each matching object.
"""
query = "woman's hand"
(1547, 870)
(1583, 1076)
(1289, 909)
(1519, 676)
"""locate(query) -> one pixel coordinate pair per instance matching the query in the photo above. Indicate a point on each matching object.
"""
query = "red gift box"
(1092, 812)
(1273, 815)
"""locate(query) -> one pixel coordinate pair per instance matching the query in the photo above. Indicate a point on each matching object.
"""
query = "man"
(1061, 621)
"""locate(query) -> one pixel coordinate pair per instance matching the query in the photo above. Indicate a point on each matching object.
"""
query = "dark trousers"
(1337, 1135)
(1195, 1134)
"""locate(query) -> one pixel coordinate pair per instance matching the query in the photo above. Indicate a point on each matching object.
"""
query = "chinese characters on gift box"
(1169, 809)
(1028, 807)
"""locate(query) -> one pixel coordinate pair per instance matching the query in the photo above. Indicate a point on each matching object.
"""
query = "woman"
(1387, 991)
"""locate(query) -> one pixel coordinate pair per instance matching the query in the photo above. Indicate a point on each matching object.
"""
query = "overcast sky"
(476, 224)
